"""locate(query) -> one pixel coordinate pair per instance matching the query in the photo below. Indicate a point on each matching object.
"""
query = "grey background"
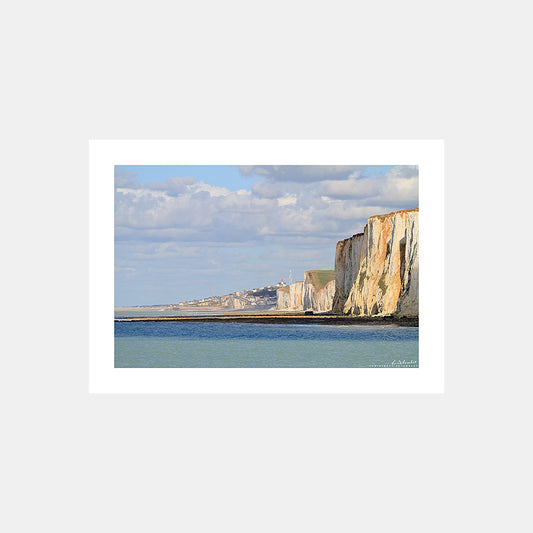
(409, 70)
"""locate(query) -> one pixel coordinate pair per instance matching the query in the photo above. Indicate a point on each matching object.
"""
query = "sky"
(188, 232)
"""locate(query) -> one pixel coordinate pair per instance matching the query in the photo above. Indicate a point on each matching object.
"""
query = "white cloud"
(397, 187)
(213, 190)
(269, 189)
(300, 173)
(139, 193)
(187, 210)
(171, 186)
(287, 200)
(350, 188)
(212, 235)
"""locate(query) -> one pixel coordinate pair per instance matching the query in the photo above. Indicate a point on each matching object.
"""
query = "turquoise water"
(238, 345)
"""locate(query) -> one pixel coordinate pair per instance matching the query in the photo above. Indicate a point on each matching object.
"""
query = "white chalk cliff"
(318, 290)
(347, 262)
(315, 293)
(290, 297)
(376, 272)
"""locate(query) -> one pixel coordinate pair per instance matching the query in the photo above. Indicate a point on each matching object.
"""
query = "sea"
(254, 345)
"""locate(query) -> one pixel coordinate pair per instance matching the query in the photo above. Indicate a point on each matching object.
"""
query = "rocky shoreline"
(296, 318)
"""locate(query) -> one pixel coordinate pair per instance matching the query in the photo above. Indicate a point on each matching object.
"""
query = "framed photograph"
(266, 266)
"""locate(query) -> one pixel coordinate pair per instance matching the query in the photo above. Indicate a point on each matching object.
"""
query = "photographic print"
(210, 273)
(261, 266)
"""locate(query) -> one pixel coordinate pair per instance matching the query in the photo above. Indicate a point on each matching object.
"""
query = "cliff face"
(376, 272)
(318, 290)
(283, 298)
(315, 293)
(290, 297)
(347, 262)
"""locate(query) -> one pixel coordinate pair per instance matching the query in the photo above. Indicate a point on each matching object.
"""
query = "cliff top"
(284, 289)
(320, 278)
(386, 215)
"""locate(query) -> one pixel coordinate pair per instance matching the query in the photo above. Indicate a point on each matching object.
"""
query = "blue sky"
(227, 176)
(186, 232)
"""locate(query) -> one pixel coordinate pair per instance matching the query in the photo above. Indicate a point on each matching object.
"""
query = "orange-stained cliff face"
(376, 272)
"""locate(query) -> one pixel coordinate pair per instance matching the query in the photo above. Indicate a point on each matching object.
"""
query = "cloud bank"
(292, 218)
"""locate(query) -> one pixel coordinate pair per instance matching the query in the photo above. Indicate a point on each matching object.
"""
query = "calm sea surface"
(231, 345)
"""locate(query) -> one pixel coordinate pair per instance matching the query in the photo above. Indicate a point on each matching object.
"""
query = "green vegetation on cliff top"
(320, 278)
